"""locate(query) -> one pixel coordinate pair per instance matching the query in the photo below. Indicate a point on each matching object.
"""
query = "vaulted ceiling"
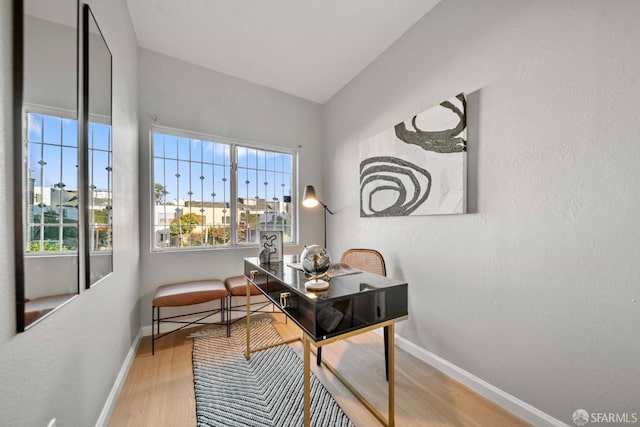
(306, 48)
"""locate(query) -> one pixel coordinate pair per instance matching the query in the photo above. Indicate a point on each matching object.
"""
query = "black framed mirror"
(97, 140)
(46, 158)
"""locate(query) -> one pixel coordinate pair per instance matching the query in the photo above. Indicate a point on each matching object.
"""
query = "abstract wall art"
(419, 166)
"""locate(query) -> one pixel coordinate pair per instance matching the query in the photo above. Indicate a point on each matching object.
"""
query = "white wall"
(50, 56)
(536, 290)
(7, 283)
(184, 96)
(65, 366)
(50, 275)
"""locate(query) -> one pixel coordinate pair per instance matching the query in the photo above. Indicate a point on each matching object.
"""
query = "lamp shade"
(309, 198)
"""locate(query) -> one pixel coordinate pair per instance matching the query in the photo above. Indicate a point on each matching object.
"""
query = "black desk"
(354, 304)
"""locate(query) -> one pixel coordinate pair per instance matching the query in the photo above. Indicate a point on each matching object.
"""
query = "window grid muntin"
(229, 168)
(68, 141)
(259, 166)
(100, 232)
(46, 147)
(187, 165)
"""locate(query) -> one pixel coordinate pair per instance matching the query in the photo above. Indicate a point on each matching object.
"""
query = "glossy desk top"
(339, 287)
(352, 302)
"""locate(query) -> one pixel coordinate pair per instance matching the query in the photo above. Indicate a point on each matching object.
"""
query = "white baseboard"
(501, 398)
(146, 331)
(110, 403)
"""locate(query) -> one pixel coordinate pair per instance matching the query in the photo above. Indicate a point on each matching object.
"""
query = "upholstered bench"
(185, 294)
(237, 287)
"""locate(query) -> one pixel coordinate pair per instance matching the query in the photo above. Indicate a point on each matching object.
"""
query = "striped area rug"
(264, 391)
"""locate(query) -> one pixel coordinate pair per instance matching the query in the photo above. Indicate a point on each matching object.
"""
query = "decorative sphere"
(315, 260)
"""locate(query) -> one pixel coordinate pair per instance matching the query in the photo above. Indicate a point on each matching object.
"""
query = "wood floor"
(159, 391)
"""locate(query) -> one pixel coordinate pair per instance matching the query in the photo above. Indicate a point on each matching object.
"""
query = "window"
(100, 196)
(217, 192)
(52, 183)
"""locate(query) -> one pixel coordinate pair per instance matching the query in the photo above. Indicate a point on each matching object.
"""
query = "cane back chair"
(371, 261)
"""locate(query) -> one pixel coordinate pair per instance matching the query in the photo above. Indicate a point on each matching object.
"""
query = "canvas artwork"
(270, 247)
(419, 166)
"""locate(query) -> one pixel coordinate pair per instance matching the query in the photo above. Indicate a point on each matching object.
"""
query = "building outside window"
(218, 192)
(52, 183)
(100, 195)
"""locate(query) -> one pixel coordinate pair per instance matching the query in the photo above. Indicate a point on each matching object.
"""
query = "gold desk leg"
(392, 375)
(247, 355)
(307, 381)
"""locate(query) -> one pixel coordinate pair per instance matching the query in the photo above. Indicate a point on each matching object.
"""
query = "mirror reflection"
(97, 86)
(50, 153)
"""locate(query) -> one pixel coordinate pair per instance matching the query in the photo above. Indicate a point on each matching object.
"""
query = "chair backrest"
(366, 260)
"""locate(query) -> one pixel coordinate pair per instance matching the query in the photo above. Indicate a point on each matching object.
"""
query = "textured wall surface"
(7, 288)
(536, 290)
(65, 366)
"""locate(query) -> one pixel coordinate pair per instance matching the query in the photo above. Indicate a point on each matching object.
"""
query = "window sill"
(253, 246)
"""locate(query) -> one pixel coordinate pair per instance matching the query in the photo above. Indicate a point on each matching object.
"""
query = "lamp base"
(316, 285)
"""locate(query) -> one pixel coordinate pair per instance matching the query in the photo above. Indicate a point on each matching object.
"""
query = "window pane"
(69, 238)
(33, 231)
(252, 158)
(263, 183)
(182, 179)
(100, 173)
(34, 123)
(196, 150)
(70, 211)
(207, 182)
(52, 183)
(243, 184)
(287, 163)
(70, 132)
(183, 148)
(70, 168)
(279, 162)
(160, 193)
(261, 197)
(220, 186)
(52, 130)
(196, 183)
(198, 212)
(170, 146)
(158, 145)
(98, 237)
(270, 161)
(226, 155)
(35, 166)
(242, 157)
(262, 157)
(51, 170)
(99, 136)
(208, 148)
(52, 235)
(170, 171)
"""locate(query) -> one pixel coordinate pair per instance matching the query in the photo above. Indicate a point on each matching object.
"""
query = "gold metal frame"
(306, 343)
